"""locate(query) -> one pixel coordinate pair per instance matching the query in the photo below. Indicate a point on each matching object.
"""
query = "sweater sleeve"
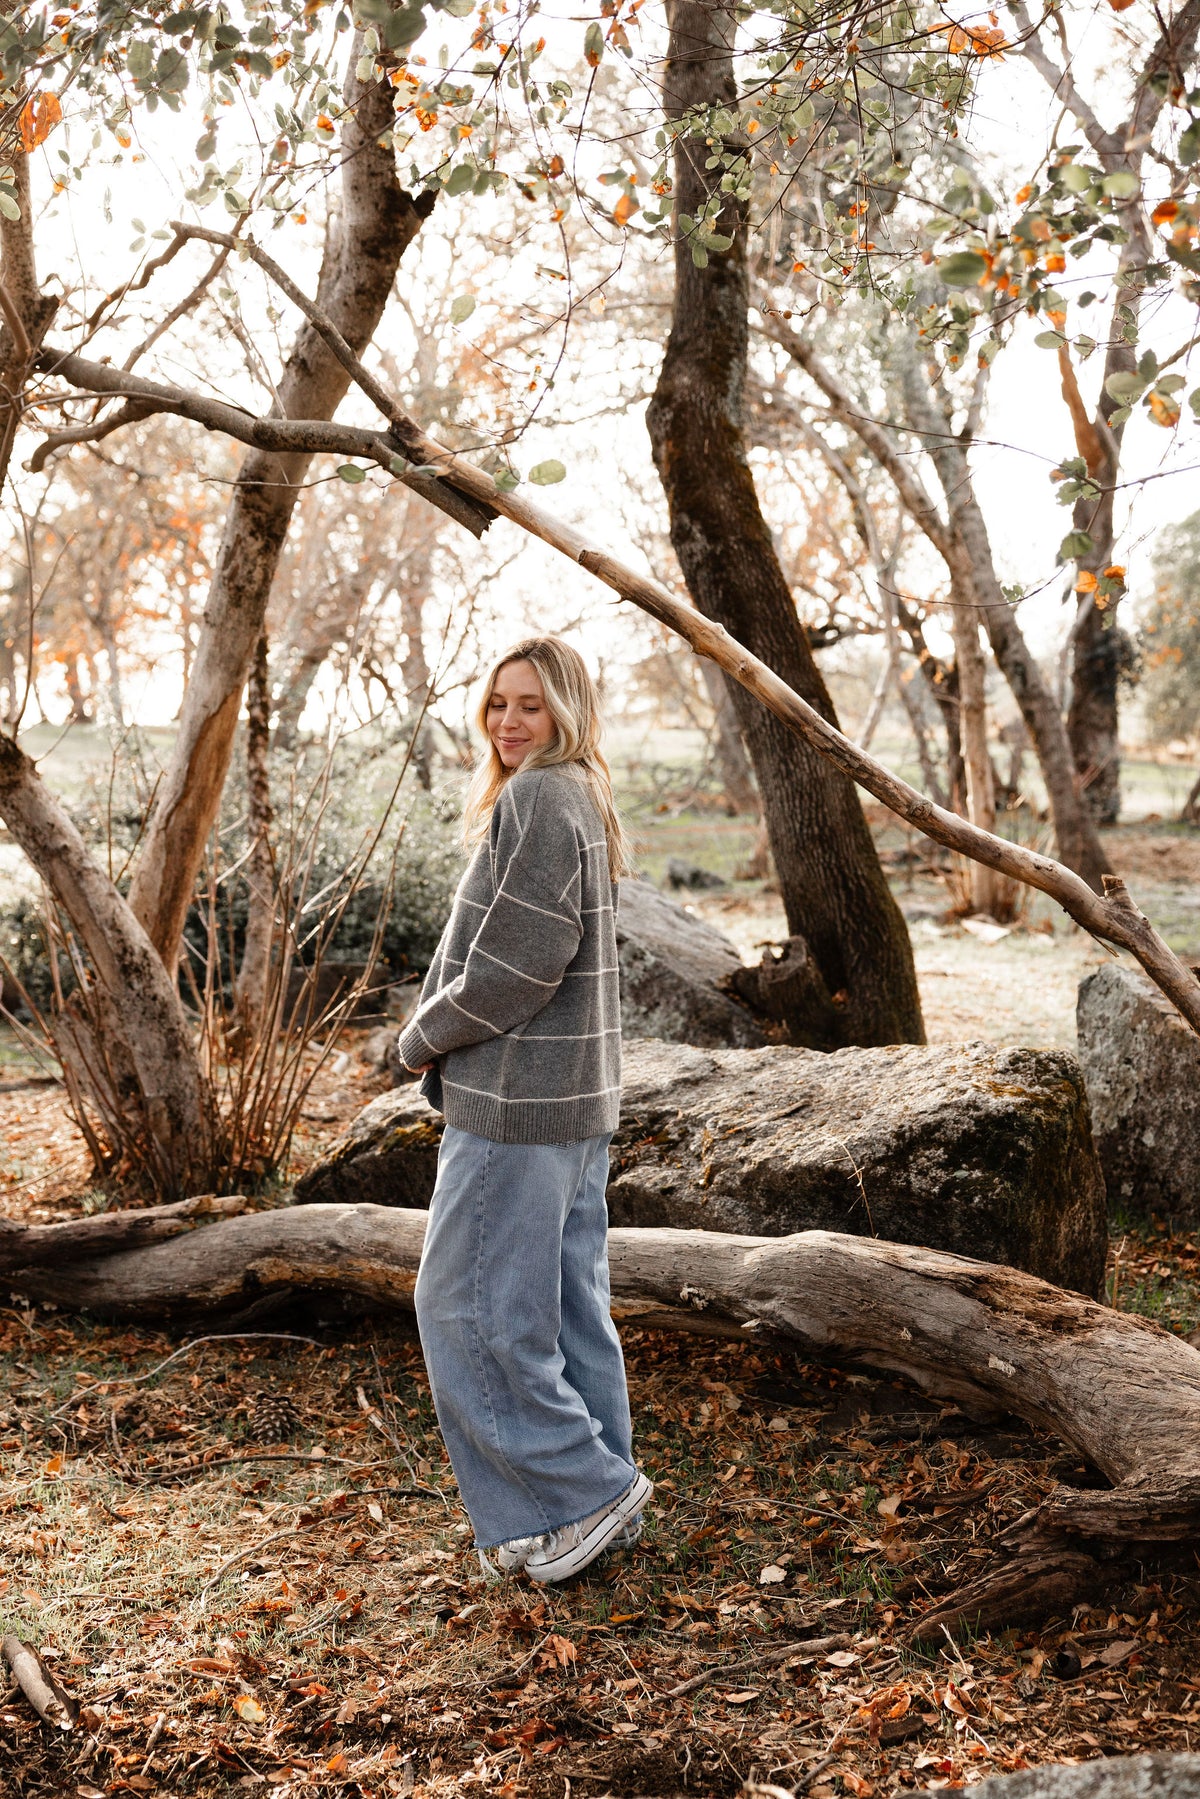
(528, 937)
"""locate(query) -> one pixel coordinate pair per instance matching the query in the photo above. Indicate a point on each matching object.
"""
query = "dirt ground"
(242, 1550)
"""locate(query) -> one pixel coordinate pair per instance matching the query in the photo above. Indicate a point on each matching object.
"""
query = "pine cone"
(273, 1418)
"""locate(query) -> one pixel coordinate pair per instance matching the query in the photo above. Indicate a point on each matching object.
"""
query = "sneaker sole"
(597, 1539)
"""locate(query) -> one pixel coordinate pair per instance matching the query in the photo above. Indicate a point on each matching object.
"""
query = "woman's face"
(518, 718)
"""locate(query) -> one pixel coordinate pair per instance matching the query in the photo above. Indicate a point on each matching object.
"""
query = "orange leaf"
(248, 1709)
(1120, 5)
(1164, 411)
(38, 119)
(1164, 212)
(1086, 582)
(624, 209)
(1114, 572)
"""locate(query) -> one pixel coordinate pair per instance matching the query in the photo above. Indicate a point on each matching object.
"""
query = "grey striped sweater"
(521, 1008)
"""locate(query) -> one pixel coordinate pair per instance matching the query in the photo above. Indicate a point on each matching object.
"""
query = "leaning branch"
(447, 477)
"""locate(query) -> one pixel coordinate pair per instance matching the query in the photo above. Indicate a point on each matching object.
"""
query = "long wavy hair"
(574, 705)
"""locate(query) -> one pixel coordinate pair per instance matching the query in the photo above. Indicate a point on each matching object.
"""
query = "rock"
(1141, 1064)
(672, 969)
(984, 1152)
(1108, 1777)
(691, 875)
(388, 1157)
(981, 1151)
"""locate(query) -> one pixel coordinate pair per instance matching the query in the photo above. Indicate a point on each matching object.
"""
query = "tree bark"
(961, 539)
(365, 242)
(254, 972)
(737, 776)
(833, 888)
(972, 688)
(1121, 1391)
(143, 1051)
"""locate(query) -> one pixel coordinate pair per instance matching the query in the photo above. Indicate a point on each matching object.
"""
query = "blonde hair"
(573, 703)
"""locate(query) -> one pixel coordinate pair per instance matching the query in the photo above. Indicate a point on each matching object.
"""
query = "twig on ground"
(135, 1380)
(52, 1705)
(813, 1646)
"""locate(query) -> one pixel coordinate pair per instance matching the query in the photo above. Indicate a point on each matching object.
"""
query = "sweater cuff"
(413, 1047)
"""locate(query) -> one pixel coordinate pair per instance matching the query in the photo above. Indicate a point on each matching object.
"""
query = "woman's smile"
(518, 718)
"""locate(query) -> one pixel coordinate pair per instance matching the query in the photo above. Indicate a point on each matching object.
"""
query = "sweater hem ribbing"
(530, 1121)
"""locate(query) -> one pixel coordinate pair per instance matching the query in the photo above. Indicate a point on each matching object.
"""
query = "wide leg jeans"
(523, 1358)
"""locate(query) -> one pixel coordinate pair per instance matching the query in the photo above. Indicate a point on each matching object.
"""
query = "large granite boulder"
(1141, 1063)
(388, 1157)
(1108, 1777)
(981, 1151)
(984, 1152)
(674, 968)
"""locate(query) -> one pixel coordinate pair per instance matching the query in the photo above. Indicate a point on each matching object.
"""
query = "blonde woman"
(518, 1036)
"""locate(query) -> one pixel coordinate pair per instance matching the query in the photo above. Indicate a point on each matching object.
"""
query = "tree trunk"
(962, 542)
(364, 244)
(255, 970)
(1121, 1391)
(143, 1052)
(733, 764)
(972, 566)
(833, 888)
(32, 311)
(1189, 812)
(981, 796)
(941, 679)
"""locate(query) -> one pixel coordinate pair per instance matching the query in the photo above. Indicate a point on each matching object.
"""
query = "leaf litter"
(252, 1581)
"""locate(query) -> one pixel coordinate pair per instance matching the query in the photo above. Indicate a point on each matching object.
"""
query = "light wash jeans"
(523, 1357)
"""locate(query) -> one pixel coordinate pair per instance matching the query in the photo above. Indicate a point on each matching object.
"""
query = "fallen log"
(104, 1233)
(1120, 1390)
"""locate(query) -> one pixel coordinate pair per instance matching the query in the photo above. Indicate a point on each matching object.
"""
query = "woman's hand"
(422, 1068)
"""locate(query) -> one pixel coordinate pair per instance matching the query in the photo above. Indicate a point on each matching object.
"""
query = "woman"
(518, 1035)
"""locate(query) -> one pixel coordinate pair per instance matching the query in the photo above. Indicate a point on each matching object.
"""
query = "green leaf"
(172, 73)
(1049, 340)
(546, 474)
(966, 268)
(139, 59)
(1074, 545)
(459, 9)
(1125, 386)
(593, 46)
(1194, 401)
(506, 480)
(1122, 184)
(461, 308)
(1074, 179)
(206, 146)
(8, 206)
(404, 27)
(462, 178)
(699, 256)
(1189, 143)
(350, 471)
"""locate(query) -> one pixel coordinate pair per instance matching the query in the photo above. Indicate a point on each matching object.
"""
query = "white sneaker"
(507, 1558)
(569, 1550)
(629, 1534)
